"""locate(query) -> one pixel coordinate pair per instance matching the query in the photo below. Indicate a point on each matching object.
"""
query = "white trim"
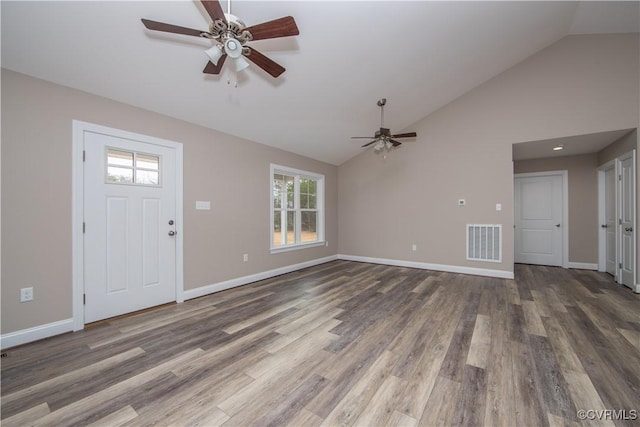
(502, 274)
(289, 248)
(637, 288)
(24, 336)
(565, 208)
(583, 265)
(77, 209)
(630, 155)
(240, 281)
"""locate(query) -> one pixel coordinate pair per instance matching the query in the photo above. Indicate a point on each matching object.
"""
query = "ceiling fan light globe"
(214, 54)
(241, 63)
(233, 48)
(379, 145)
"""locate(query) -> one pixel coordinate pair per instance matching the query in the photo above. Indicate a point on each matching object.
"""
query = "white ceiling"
(419, 55)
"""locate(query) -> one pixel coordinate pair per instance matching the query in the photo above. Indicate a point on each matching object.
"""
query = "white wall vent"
(484, 242)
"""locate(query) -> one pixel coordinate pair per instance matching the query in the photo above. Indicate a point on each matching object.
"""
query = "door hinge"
(84, 299)
(620, 265)
(620, 177)
(84, 155)
(84, 227)
(620, 221)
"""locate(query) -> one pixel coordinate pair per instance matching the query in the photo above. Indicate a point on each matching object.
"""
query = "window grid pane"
(291, 227)
(119, 175)
(290, 192)
(147, 161)
(309, 230)
(119, 158)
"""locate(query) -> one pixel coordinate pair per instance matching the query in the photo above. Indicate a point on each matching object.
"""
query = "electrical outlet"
(326, 243)
(245, 257)
(414, 247)
(26, 294)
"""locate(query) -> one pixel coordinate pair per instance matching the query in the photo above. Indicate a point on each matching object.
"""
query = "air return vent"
(484, 242)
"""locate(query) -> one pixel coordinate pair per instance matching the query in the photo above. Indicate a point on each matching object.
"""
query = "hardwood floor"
(348, 343)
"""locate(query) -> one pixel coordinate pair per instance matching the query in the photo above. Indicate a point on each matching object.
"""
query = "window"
(297, 209)
(128, 167)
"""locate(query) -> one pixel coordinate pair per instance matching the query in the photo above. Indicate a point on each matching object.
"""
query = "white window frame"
(297, 174)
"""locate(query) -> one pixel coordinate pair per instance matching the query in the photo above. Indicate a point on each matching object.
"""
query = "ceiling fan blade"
(169, 28)
(405, 135)
(363, 137)
(369, 143)
(211, 68)
(395, 143)
(214, 9)
(265, 63)
(281, 27)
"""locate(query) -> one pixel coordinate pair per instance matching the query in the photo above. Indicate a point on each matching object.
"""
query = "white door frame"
(565, 209)
(601, 216)
(630, 155)
(77, 212)
(602, 232)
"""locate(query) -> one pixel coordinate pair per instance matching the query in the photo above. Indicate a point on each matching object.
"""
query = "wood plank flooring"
(348, 343)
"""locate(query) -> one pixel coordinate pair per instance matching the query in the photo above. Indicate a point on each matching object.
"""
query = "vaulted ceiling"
(418, 55)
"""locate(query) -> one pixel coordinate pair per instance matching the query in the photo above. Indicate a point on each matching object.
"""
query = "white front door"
(129, 215)
(538, 219)
(627, 217)
(610, 219)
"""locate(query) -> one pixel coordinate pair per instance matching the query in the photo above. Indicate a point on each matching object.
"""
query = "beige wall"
(618, 148)
(36, 196)
(583, 200)
(579, 85)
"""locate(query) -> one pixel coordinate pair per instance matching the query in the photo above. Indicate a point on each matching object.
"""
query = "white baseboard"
(637, 291)
(228, 284)
(437, 267)
(24, 336)
(582, 265)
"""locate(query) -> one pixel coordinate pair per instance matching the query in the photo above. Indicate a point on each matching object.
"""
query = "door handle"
(628, 229)
(172, 233)
(557, 225)
(604, 226)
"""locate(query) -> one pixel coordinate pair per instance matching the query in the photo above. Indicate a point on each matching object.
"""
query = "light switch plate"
(203, 205)
(498, 206)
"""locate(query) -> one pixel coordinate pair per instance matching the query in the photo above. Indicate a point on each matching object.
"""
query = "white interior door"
(610, 219)
(129, 213)
(627, 221)
(538, 219)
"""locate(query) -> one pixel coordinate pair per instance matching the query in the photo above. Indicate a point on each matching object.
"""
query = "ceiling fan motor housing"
(383, 132)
